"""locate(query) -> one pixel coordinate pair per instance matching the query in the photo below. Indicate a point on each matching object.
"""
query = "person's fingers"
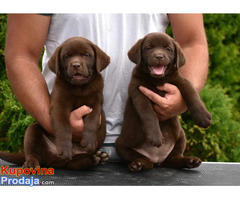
(168, 106)
(84, 110)
(168, 88)
(81, 111)
(158, 112)
(100, 121)
(152, 95)
(77, 125)
(76, 120)
(160, 103)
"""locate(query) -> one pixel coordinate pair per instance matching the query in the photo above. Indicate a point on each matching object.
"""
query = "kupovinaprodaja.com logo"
(30, 181)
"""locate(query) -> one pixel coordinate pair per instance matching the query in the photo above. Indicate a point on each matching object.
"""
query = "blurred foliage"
(223, 33)
(3, 29)
(220, 142)
(14, 120)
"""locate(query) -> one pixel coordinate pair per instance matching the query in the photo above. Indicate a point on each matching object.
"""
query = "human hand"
(170, 105)
(76, 121)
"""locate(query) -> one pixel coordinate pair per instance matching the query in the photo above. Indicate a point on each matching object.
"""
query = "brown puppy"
(77, 64)
(144, 140)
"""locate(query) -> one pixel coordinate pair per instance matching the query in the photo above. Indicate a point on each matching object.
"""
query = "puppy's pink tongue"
(158, 70)
(78, 76)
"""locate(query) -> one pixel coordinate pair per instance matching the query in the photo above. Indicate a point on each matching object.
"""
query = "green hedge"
(220, 142)
(223, 33)
(13, 118)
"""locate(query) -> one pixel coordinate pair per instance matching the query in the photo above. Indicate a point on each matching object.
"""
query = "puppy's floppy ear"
(134, 54)
(179, 56)
(54, 62)
(102, 59)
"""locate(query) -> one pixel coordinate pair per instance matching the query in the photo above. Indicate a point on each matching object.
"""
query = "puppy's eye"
(87, 54)
(149, 47)
(168, 48)
(66, 56)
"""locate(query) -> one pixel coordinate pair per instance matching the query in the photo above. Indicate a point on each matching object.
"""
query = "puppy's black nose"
(76, 65)
(159, 56)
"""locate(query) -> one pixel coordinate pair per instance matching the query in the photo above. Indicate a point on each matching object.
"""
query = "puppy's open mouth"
(158, 69)
(78, 76)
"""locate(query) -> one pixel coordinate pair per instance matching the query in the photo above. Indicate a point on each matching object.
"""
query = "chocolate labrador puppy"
(145, 141)
(77, 64)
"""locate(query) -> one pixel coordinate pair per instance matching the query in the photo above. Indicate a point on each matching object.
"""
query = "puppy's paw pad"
(192, 162)
(31, 163)
(140, 164)
(100, 157)
(135, 166)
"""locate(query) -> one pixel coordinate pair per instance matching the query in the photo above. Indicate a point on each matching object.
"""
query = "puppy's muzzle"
(78, 70)
(159, 56)
(76, 65)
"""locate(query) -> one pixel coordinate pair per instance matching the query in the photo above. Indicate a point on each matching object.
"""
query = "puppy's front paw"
(89, 143)
(191, 162)
(100, 158)
(153, 134)
(155, 138)
(31, 162)
(64, 151)
(140, 164)
(202, 118)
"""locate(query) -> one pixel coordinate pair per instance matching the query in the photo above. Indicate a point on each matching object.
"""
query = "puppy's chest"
(154, 89)
(148, 84)
(89, 100)
(75, 97)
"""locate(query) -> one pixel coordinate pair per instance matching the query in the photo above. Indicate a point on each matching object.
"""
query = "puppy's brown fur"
(77, 64)
(144, 140)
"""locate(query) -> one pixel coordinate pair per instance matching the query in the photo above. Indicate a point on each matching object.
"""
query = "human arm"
(188, 31)
(26, 35)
